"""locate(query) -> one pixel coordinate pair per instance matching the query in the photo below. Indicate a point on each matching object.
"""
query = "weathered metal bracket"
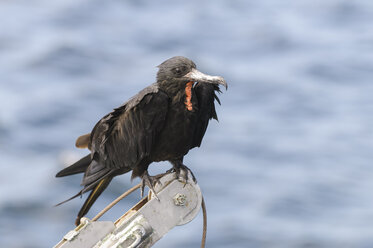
(145, 223)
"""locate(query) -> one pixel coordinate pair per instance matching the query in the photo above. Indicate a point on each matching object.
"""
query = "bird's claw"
(182, 173)
(172, 170)
(150, 181)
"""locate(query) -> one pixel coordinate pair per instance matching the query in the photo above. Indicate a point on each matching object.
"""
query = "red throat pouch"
(188, 98)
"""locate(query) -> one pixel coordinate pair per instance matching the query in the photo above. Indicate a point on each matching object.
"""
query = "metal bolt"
(180, 199)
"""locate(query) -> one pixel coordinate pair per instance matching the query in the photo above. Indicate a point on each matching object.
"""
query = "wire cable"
(121, 197)
(204, 232)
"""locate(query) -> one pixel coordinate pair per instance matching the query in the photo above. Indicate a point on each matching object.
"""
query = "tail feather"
(74, 196)
(78, 167)
(87, 188)
(95, 193)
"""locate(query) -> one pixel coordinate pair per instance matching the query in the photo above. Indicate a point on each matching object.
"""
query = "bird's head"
(177, 71)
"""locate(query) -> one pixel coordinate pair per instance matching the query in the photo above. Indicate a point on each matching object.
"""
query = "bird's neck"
(180, 93)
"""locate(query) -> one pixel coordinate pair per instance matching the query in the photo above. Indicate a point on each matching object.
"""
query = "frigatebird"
(161, 123)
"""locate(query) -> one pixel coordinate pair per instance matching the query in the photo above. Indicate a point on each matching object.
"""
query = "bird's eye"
(179, 71)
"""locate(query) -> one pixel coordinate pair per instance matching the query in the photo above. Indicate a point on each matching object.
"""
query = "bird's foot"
(182, 173)
(150, 181)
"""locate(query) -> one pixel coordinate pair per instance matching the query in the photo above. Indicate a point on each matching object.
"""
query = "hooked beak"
(197, 76)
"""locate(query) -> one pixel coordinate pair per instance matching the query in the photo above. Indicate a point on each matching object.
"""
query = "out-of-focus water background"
(289, 165)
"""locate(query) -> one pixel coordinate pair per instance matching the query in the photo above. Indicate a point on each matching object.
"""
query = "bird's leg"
(181, 171)
(149, 181)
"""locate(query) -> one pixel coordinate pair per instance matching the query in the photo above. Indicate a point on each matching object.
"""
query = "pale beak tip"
(223, 82)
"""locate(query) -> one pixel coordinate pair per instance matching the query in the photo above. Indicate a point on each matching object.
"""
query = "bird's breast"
(177, 134)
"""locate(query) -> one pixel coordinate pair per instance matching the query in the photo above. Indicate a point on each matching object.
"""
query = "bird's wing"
(124, 137)
(206, 94)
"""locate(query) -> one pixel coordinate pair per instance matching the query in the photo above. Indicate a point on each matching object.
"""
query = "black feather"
(78, 167)
(205, 94)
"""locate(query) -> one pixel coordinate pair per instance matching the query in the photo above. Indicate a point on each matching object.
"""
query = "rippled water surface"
(289, 165)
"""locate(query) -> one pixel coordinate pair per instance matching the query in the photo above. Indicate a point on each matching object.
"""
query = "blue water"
(290, 163)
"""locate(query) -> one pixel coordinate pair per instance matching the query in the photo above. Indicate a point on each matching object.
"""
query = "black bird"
(162, 122)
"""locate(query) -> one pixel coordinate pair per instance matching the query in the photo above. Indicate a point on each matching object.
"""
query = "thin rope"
(108, 207)
(204, 233)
